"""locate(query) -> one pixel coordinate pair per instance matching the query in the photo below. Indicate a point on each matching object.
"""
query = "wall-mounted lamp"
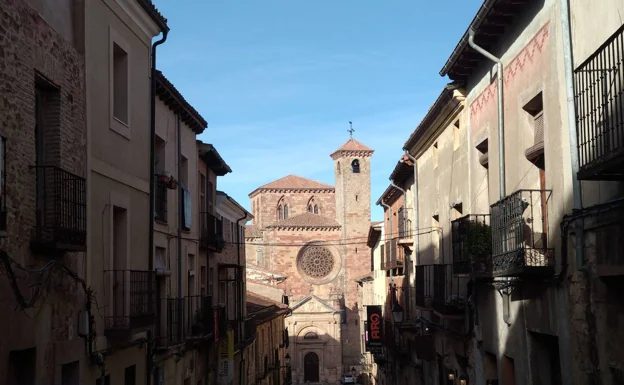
(463, 380)
(451, 376)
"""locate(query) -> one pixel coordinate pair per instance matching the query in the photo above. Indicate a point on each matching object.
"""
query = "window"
(184, 172)
(120, 84)
(280, 213)
(435, 237)
(316, 209)
(161, 154)
(70, 373)
(310, 336)
(130, 375)
(202, 193)
(211, 281)
(435, 154)
(186, 209)
(22, 369)
(535, 109)
(355, 166)
(209, 194)
(483, 149)
(285, 211)
(120, 238)
(259, 259)
(309, 208)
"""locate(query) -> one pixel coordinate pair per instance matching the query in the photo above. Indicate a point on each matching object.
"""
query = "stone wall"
(264, 204)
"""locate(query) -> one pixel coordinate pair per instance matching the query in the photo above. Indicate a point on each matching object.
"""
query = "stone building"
(315, 235)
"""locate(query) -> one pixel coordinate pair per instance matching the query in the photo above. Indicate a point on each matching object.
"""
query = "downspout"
(407, 265)
(501, 120)
(240, 270)
(501, 144)
(180, 222)
(573, 139)
(152, 187)
(415, 224)
(389, 232)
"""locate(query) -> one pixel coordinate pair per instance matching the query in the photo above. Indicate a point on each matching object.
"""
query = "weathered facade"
(314, 234)
(42, 150)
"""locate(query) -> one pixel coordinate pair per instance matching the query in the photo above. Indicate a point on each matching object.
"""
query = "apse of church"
(314, 235)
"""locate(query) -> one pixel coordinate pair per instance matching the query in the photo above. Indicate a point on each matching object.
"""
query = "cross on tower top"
(351, 130)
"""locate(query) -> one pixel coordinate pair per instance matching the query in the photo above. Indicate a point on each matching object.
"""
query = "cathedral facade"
(309, 240)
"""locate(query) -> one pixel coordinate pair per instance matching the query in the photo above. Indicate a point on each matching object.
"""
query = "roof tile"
(352, 145)
(252, 231)
(294, 182)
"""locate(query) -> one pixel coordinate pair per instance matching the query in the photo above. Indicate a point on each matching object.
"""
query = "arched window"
(309, 208)
(285, 211)
(316, 210)
(355, 166)
(310, 336)
(280, 213)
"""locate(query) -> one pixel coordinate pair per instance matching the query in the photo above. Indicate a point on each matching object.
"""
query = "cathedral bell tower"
(353, 200)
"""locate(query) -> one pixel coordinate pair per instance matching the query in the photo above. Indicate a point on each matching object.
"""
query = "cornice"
(352, 153)
(143, 20)
(292, 190)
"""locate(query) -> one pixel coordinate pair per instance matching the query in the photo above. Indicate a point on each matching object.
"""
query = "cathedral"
(309, 240)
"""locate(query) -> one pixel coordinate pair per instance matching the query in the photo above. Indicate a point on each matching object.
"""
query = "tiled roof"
(351, 146)
(252, 231)
(307, 220)
(154, 13)
(294, 182)
(172, 98)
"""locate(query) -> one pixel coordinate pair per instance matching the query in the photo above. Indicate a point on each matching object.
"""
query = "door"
(311, 367)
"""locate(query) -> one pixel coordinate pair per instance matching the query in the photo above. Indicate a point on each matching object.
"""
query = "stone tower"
(353, 200)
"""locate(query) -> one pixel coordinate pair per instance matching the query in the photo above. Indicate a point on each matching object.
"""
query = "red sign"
(375, 325)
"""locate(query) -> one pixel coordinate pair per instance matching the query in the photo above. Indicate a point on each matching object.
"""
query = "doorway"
(311, 367)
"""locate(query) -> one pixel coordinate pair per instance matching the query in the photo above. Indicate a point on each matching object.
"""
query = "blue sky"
(278, 81)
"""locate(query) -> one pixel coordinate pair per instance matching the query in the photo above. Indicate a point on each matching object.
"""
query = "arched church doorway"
(311, 367)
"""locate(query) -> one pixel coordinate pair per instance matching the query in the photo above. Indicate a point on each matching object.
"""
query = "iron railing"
(199, 318)
(423, 295)
(448, 291)
(61, 210)
(161, 192)
(599, 87)
(406, 230)
(132, 299)
(174, 330)
(520, 229)
(211, 232)
(471, 237)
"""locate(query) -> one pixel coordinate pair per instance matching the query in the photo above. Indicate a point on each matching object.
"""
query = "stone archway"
(311, 367)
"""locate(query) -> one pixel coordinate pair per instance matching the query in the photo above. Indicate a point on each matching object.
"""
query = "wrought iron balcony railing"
(199, 316)
(471, 237)
(438, 290)
(161, 192)
(61, 211)
(173, 330)
(211, 232)
(423, 279)
(132, 300)
(406, 230)
(599, 87)
(520, 228)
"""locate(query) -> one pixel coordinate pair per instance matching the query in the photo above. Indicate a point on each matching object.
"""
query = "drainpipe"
(152, 176)
(415, 224)
(501, 144)
(240, 270)
(180, 222)
(573, 140)
(389, 232)
(407, 270)
(501, 120)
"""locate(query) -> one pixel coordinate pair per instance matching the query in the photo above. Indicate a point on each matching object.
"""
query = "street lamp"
(397, 313)
(287, 359)
(353, 371)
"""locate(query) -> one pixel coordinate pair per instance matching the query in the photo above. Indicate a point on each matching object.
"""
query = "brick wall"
(266, 204)
(28, 45)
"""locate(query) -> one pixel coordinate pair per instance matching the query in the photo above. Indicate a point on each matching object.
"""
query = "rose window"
(317, 262)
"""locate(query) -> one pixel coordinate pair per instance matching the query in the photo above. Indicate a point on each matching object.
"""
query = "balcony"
(173, 330)
(132, 301)
(520, 235)
(61, 211)
(423, 289)
(448, 292)
(160, 201)
(199, 317)
(471, 238)
(211, 233)
(406, 230)
(599, 87)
